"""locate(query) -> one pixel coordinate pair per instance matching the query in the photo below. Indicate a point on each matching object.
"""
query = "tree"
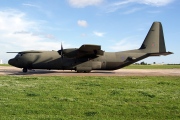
(143, 63)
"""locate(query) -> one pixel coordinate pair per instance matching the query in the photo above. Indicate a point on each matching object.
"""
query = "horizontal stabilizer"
(158, 54)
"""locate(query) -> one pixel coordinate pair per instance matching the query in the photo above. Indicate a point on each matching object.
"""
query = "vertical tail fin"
(154, 41)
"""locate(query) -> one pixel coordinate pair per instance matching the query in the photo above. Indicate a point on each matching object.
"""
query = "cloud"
(132, 10)
(155, 11)
(84, 3)
(82, 23)
(99, 34)
(121, 3)
(48, 13)
(30, 5)
(125, 3)
(147, 2)
(19, 33)
(154, 2)
(11, 20)
(124, 44)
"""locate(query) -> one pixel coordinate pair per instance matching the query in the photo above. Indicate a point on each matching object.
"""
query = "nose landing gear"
(24, 70)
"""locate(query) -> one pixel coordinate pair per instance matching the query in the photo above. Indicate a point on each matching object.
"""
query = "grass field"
(92, 98)
(4, 65)
(153, 67)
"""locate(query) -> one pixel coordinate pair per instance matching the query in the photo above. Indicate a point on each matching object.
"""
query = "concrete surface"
(8, 70)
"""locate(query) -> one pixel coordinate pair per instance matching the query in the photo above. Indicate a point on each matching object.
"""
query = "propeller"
(62, 51)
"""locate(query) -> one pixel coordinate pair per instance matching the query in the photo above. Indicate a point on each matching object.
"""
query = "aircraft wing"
(24, 52)
(90, 50)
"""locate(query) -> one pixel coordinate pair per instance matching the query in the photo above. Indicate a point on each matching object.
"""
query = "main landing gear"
(81, 71)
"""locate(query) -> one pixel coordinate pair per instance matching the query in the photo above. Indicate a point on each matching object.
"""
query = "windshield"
(18, 55)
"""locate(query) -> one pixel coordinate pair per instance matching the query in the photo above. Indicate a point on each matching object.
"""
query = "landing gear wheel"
(24, 70)
(87, 71)
(80, 71)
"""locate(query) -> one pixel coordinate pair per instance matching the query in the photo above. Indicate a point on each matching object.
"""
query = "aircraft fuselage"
(53, 60)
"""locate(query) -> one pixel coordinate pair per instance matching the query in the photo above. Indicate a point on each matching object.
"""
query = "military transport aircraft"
(90, 57)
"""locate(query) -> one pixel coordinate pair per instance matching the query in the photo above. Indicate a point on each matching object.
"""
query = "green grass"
(4, 65)
(93, 98)
(153, 67)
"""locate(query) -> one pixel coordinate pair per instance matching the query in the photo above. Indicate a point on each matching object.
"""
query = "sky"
(116, 25)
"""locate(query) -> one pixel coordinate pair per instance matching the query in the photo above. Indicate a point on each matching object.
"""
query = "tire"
(24, 70)
(87, 71)
(80, 71)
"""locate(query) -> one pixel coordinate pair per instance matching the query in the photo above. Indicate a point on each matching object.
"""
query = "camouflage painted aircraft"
(90, 57)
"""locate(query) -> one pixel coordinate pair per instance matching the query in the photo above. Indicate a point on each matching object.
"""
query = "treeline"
(141, 63)
(154, 63)
(173, 64)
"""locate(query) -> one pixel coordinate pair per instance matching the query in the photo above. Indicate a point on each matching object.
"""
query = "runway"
(8, 70)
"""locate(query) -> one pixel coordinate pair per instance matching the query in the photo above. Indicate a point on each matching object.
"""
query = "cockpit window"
(19, 55)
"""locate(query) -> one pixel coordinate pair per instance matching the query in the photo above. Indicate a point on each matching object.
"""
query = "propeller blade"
(62, 50)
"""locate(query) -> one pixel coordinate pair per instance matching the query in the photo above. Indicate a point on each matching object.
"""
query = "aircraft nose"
(12, 62)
